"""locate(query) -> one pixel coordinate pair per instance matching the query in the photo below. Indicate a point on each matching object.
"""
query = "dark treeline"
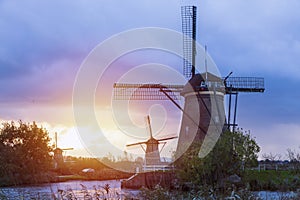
(26, 157)
(24, 154)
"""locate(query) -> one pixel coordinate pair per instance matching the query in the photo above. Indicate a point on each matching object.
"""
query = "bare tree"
(272, 157)
(294, 158)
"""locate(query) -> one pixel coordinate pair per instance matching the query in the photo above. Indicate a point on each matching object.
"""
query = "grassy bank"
(100, 175)
(51, 177)
(272, 180)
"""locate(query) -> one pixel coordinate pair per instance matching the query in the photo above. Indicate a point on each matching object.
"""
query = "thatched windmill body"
(203, 115)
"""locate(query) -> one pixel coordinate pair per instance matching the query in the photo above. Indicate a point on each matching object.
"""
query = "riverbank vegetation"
(232, 166)
(26, 157)
(96, 170)
(272, 180)
(24, 154)
(233, 153)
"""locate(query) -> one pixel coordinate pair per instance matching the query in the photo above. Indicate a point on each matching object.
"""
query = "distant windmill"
(203, 93)
(152, 153)
(58, 154)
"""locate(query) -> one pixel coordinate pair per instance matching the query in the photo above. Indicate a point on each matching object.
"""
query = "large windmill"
(202, 119)
(152, 152)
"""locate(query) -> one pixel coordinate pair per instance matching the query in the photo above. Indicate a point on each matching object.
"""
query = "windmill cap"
(194, 83)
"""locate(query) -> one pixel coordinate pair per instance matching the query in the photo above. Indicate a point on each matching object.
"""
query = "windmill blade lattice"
(244, 84)
(125, 91)
(188, 14)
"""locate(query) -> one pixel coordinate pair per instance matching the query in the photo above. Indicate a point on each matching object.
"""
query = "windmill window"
(202, 84)
(217, 119)
(186, 130)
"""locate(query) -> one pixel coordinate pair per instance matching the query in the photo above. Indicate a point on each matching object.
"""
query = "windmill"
(152, 153)
(203, 94)
(58, 154)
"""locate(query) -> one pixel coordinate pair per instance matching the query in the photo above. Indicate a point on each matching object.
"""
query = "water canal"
(95, 190)
(77, 189)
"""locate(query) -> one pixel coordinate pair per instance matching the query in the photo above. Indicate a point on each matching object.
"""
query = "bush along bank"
(272, 180)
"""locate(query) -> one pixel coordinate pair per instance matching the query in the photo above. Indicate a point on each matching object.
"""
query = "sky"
(44, 44)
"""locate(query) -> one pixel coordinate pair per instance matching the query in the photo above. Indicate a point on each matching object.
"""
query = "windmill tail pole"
(185, 113)
(149, 125)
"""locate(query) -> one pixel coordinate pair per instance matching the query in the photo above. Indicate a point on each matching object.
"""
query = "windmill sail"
(188, 14)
